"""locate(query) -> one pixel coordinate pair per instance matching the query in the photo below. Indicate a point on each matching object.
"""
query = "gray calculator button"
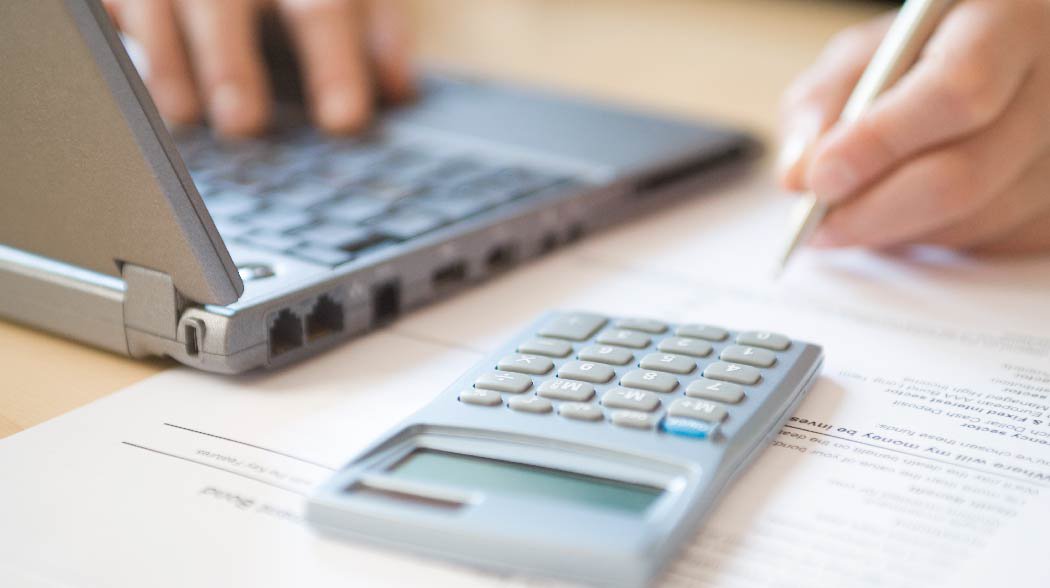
(702, 332)
(526, 364)
(731, 372)
(640, 324)
(749, 355)
(576, 326)
(632, 399)
(548, 347)
(667, 362)
(560, 389)
(606, 354)
(480, 397)
(587, 371)
(624, 337)
(580, 411)
(697, 409)
(715, 390)
(765, 339)
(530, 404)
(685, 346)
(649, 380)
(503, 382)
(634, 419)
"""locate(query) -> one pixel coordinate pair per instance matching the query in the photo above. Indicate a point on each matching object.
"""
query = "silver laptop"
(235, 256)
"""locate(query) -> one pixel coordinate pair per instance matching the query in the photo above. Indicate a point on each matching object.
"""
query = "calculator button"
(606, 354)
(640, 324)
(632, 399)
(749, 355)
(685, 346)
(548, 347)
(702, 332)
(530, 404)
(624, 337)
(774, 341)
(580, 411)
(526, 364)
(667, 362)
(587, 371)
(731, 372)
(693, 408)
(576, 326)
(689, 427)
(634, 419)
(715, 390)
(503, 382)
(480, 397)
(649, 380)
(560, 389)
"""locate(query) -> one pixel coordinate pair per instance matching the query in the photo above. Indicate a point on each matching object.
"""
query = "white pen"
(898, 51)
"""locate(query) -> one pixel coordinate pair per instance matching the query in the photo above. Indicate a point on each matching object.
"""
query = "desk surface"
(725, 59)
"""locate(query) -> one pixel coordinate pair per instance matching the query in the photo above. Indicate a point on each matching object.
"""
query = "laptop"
(229, 257)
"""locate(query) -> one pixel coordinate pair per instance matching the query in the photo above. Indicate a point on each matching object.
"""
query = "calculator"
(589, 448)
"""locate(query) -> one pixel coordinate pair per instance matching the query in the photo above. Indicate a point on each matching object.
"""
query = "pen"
(896, 54)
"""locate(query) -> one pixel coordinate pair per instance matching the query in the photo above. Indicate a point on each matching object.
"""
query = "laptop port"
(549, 243)
(325, 319)
(574, 233)
(449, 276)
(192, 336)
(386, 302)
(501, 258)
(286, 333)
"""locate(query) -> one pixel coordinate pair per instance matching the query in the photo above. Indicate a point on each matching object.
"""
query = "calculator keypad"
(685, 382)
(632, 399)
(548, 347)
(526, 364)
(588, 371)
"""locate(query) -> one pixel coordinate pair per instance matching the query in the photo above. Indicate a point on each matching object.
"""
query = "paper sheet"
(921, 458)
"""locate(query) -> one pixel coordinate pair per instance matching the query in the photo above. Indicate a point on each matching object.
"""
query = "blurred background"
(681, 56)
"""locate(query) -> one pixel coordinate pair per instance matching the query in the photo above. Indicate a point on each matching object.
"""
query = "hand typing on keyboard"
(204, 55)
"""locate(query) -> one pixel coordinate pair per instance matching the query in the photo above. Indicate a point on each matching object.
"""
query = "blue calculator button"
(689, 427)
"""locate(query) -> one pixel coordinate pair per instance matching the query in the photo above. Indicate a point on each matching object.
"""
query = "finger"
(1031, 238)
(328, 36)
(949, 184)
(390, 49)
(814, 100)
(1027, 199)
(970, 71)
(113, 10)
(152, 24)
(222, 36)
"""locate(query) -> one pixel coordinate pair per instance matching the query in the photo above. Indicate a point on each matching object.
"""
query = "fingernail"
(797, 141)
(824, 239)
(833, 180)
(233, 111)
(340, 109)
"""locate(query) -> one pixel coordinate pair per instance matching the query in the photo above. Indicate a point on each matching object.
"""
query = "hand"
(956, 154)
(204, 55)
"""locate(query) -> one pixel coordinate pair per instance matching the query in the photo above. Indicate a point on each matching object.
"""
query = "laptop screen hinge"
(151, 303)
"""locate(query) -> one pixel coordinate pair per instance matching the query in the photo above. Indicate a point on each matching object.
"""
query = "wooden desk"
(724, 59)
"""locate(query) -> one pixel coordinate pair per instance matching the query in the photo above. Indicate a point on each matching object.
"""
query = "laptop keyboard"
(329, 201)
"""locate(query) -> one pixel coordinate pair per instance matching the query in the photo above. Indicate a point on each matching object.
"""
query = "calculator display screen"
(504, 477)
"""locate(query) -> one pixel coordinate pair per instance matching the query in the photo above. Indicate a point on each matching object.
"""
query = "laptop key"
(352, 210)
(278, 220)
(271, 241)
(230, 205)
(320, 254)
(405, 226)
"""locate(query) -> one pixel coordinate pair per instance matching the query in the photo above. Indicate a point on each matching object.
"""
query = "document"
(920, 458)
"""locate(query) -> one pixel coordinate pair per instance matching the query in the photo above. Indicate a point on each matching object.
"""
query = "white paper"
(895, 471)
